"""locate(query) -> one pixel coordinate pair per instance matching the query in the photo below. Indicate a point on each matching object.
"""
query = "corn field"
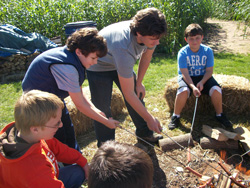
(48, 17)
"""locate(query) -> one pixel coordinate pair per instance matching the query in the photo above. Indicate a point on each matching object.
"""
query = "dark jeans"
(66, 134)
(101, 84)
(72, 176)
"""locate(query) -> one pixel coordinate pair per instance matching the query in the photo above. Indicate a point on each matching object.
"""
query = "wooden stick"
(237, 183)
(193, 171)
(224, 168)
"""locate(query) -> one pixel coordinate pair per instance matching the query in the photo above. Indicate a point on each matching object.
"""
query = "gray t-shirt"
(123, 50)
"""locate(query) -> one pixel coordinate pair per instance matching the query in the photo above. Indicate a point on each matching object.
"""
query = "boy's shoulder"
(205, 47)
(185, 50)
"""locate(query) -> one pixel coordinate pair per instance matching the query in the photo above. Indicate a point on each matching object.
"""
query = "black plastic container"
(73, 26)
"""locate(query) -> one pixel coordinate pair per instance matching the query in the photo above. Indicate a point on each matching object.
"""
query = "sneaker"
(174, 123)
(154, 138)
(224, 121)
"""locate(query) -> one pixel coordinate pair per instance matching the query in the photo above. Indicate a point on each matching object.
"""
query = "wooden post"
(209, 143)
(168, 144)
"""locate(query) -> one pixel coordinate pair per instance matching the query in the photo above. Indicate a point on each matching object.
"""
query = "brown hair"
(88, 41)
(35, 108)
(193, 30)
(120, 165)
(149, 22)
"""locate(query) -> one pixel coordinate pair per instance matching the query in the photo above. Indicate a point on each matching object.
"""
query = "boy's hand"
(196, 92)
(155, 125)
(112, 124)
(86, 170)
(200, 86)
(140, 90)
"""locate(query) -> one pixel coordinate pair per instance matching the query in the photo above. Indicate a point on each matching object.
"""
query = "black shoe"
(154, 138)
(174, 123)
(224, 121)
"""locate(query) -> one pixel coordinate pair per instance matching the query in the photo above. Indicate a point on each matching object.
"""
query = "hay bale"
(235, 96)
(83, 123)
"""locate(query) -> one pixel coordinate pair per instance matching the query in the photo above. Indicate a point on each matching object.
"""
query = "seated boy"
(29, 152)
(120, 165)
(195, 69)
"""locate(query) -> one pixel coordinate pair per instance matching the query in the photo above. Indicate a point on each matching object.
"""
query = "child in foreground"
(195, 70)
(120, 165)
(29, 152)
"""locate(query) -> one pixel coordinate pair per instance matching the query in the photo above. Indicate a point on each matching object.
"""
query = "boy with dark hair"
(195, 69)
(62, 71)
(127, 42)
(29, 152)
(120, 165)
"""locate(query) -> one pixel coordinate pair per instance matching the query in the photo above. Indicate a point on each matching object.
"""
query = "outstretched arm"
(86, 107)
(127, 86)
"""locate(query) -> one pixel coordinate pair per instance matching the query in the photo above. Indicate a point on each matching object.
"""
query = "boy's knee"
(183, 90)
(215, 88)
(78, 175)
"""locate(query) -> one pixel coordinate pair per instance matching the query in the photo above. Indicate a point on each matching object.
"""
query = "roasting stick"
(187, 167)
(188, 153)
(151, 145)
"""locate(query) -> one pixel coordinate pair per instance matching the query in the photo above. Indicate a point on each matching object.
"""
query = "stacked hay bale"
(82, 123)
(235, 96)
(13, 68)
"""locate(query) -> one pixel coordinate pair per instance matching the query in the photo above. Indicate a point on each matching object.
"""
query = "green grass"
(161, 69)
(9, 94)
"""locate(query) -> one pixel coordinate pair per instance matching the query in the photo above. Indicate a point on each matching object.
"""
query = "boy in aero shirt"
(195, 69)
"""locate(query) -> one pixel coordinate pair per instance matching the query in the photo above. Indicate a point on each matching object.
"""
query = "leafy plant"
(48, 17)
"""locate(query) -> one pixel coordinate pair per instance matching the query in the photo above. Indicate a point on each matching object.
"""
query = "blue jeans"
(72, 176)
(101, 84)
(66, 134)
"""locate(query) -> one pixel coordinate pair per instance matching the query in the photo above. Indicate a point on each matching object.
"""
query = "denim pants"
(101, 84)
(72, 176)
(66, 134)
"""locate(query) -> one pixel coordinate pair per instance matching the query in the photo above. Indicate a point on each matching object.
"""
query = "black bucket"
(73, 26)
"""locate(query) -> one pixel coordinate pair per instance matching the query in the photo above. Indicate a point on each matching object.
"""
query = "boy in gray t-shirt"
(127, 42)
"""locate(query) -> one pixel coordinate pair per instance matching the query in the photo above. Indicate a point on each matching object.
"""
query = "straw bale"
(83, 123)
(235, 96)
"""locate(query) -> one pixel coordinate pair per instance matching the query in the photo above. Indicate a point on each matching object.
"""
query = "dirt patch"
(227, 36)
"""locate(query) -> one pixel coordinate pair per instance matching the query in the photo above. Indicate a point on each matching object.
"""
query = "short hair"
(149, 22)
(35, 108)
(193, 30)
(120, 165)
(88, 41)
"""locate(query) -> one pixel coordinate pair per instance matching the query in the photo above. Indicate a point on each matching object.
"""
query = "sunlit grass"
(161, 69)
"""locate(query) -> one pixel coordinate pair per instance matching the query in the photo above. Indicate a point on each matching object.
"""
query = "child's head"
(194, 36)
(149, 22)
(193, 30)
(88, 41)
(120, 165)
(35, 108)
